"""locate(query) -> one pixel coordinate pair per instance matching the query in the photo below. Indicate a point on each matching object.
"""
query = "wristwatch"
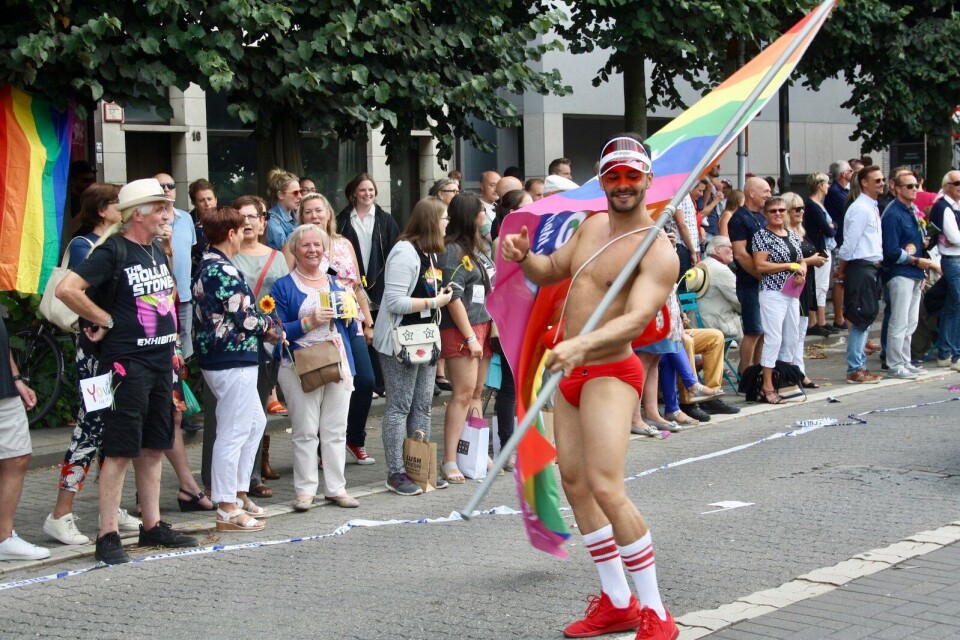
(17, 378)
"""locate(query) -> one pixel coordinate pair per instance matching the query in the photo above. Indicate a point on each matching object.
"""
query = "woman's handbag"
(318, 365)
(417, 343)
(50, 306)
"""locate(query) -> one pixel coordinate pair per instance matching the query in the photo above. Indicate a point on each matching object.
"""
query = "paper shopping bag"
(420, 460)
(472, 448)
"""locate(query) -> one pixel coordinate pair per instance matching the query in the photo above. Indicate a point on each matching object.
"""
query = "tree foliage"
(900, 61)
(333, 66)
(693, 41)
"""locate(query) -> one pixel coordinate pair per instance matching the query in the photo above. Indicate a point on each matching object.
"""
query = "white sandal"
(253, 510)
(231, 521)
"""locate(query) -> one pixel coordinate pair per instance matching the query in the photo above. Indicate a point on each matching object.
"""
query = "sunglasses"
(776, 210)
(294, 193)
(955, 183)
(170, 186)
(879, 180)
(910, 186)
(800, 209)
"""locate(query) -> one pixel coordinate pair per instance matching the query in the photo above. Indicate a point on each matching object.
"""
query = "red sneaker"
(602, 617)
(653, 628)
(359, 455)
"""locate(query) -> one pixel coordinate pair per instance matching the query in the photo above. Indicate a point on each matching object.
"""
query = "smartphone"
(823, 254)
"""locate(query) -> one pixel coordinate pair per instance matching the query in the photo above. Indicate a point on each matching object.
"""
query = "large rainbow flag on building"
(523, 311)
(34, 163)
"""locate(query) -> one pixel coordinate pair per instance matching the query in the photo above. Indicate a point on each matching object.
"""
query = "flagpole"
(550, 385)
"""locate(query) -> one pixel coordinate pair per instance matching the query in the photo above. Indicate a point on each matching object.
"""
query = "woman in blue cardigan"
(321, 414)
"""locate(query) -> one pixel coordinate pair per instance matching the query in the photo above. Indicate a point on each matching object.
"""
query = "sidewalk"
(908, 590)
(40, 486)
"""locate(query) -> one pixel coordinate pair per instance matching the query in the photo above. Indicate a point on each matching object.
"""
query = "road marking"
(726, 505)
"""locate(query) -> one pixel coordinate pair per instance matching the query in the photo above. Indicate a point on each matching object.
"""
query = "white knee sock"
(638, 559)
(603, 551)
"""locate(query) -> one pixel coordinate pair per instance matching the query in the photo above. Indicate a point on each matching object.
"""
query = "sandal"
(261, 491)
(682, 420)
(650, 432)
(251, 509)
(658, 422)
(193, 504)
(276, 408)
(767, 393)
(444, 383)
(700, 393)
(807, 383)
(452, 473)
(238, 520)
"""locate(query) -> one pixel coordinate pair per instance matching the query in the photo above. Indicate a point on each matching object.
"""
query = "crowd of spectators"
(252, 291)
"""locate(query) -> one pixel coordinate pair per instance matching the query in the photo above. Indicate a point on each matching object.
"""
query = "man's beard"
(626, 208)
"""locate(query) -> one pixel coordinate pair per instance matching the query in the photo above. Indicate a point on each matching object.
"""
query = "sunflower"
(467, 264)
(268, 305)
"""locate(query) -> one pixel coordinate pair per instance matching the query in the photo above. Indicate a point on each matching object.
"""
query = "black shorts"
(142, 412)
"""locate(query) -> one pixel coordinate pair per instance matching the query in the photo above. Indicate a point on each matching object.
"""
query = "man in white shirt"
(947, 211)
(859, 269)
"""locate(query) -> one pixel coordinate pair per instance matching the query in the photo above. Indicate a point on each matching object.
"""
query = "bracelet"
(794, 266)
(472, 338)
(17, 378)
(305, 325)
(524, 256)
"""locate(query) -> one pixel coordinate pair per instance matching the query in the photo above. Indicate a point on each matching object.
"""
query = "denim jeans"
(856, 343)
(949, 340)
(672, 365)
(362, 395)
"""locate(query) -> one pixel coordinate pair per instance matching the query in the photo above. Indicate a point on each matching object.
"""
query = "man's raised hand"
(514, 246)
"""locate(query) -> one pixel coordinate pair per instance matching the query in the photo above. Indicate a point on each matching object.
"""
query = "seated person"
(717, 298)
(708, 343)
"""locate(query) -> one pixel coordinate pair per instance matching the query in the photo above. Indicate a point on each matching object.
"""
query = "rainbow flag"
(523, 311)
(34, 163)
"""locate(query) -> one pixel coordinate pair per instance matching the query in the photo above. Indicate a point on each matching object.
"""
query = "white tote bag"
(473, 446)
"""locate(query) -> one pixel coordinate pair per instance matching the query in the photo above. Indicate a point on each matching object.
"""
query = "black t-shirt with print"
(144, 318)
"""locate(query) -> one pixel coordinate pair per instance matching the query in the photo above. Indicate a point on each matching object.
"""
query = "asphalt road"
(814, 500)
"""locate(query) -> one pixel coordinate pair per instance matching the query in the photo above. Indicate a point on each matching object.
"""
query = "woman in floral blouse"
(228, 330)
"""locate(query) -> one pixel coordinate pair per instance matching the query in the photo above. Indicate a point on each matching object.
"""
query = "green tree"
(900, 61)
(335, 67)
(689, 40)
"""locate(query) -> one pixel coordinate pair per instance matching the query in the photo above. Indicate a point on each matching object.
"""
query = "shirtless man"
(602, 386)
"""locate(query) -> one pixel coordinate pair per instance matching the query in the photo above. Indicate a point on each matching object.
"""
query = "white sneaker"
(902, 374)
(16, 548)
(64, 529)
(914, 369)
(955, 366)
(943, 362)
(125, 521)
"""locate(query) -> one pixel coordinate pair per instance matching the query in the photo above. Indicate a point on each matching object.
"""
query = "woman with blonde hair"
(316, 209)
(734, 201)
(808, 298)
(317, 416)
(284, 189)
(821, 234)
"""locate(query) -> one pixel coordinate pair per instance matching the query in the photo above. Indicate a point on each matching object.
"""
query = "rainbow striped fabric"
(523, 311)
(34, 163)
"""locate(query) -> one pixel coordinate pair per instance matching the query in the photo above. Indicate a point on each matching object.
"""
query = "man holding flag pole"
(602, 384)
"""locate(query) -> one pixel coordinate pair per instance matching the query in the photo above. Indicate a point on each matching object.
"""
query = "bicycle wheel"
(40, 361)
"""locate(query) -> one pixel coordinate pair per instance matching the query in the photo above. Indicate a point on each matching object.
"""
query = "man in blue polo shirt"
(903, 271)
(745, 222)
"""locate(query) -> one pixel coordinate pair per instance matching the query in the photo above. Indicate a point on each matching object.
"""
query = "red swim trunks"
(628, 370)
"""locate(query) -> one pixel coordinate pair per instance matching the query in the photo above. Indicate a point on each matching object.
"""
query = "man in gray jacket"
(719, 306)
